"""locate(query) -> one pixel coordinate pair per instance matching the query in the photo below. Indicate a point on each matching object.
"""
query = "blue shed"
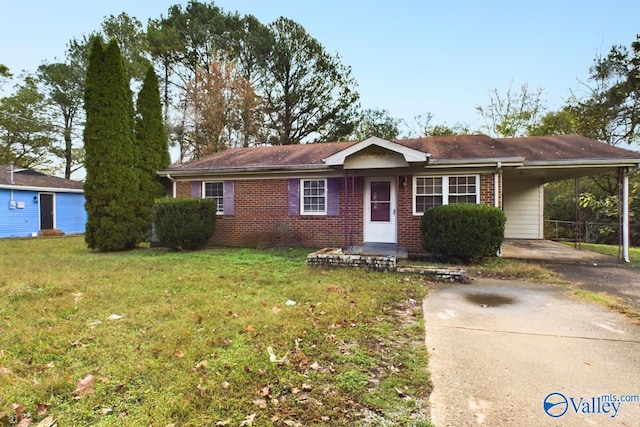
(31, 202)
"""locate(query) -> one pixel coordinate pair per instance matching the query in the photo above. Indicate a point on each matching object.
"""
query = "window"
(443, 190)
(462, 189)
(215, 191)
(314, 197)
(428, 193)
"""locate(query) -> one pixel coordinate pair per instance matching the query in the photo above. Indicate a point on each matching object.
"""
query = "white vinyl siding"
(523, 206)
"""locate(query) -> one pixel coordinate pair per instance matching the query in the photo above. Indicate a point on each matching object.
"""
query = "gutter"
(244, 170)
(44, 189)
(485, 162)
(538, 164)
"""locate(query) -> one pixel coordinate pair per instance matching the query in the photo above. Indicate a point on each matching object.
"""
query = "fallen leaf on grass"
(276, 309)
(25, 422)
(265, 391)
(315, 366)
(273, 358)
(179, 354)
(248, 421)
(202, 365)
(106, 411)
(250, 328)
(42, 409)
(76, 296)
(225, 385)
(4, 371)
(224, 423)
(84, 386)
(262, 404)
(115, 317)
(47, 422)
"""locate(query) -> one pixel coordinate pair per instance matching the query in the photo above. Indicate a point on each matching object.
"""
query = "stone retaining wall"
(329, 258)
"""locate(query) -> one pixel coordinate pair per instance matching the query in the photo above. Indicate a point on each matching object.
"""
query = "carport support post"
(625, 216)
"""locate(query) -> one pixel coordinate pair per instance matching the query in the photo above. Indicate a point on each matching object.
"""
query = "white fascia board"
(411, 155)
(504, 162)
(581, 163)
(40, 189)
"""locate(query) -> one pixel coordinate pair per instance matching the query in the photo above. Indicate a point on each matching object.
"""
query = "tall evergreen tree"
(112, 182)
(152, 145)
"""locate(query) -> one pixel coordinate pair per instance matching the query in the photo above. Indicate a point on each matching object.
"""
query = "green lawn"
(634, 253)
(205, 338)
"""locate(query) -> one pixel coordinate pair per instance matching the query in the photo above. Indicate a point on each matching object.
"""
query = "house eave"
(476, 163)
(583, 163)
(266, 170)
(40, 189)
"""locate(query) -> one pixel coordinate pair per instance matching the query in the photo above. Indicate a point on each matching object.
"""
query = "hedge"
(464, 231)
(184, 223)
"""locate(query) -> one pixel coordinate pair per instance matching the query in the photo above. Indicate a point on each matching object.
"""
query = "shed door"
(380, 210)
(46, 211)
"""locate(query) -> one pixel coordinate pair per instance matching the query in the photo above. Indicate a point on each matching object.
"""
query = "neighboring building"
(31, 202)
(349, 193)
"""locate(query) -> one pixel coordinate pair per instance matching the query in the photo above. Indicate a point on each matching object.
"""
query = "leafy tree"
(228, 109)
(307, 92)
(376, 122)
(4, 73)
(512, 114)
(112, 181)
(25, 128)
(152, 147)
(64, 86)
(132, 41)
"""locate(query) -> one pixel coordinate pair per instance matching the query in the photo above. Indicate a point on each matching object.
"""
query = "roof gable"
(391, 155)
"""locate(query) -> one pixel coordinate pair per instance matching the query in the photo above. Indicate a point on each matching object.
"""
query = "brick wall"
(261, 216)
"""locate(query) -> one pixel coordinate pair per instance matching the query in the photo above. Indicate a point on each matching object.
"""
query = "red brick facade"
(261, 216)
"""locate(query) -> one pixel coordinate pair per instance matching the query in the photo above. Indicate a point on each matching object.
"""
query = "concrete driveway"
(499, 349)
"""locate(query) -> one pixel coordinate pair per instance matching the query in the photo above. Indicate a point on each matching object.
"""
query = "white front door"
(380, 210)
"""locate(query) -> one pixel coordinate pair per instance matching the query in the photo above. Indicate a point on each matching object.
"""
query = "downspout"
(496, 192)
(496, 185)
(345, 245)
(11, 201)
(173, 186)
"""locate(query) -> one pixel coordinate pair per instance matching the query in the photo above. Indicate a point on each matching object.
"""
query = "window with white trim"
(215, 191)
(430, 191)
(314, 196)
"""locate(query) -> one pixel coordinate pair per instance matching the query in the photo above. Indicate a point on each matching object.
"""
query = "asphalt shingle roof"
(459, 147)
(28, 178)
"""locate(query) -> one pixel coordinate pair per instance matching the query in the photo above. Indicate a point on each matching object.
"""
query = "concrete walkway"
(499, 348)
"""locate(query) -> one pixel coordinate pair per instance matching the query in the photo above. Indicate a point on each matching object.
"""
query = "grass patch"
(205, 337)
(605, 300)
(612, 250)
(500, 268)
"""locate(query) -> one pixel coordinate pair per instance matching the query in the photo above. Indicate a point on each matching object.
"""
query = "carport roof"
(459, 150)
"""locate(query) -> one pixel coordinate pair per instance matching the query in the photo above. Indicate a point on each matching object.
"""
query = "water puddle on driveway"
(489, 300)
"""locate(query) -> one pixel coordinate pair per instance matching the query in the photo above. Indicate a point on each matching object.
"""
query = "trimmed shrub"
(464, 231)
(184, 223)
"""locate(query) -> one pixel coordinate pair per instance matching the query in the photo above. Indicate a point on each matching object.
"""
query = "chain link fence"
(589, 232)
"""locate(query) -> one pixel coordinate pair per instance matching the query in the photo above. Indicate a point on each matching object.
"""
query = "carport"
(555, 159)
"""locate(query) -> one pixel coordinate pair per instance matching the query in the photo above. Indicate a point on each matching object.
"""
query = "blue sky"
(409, 57)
